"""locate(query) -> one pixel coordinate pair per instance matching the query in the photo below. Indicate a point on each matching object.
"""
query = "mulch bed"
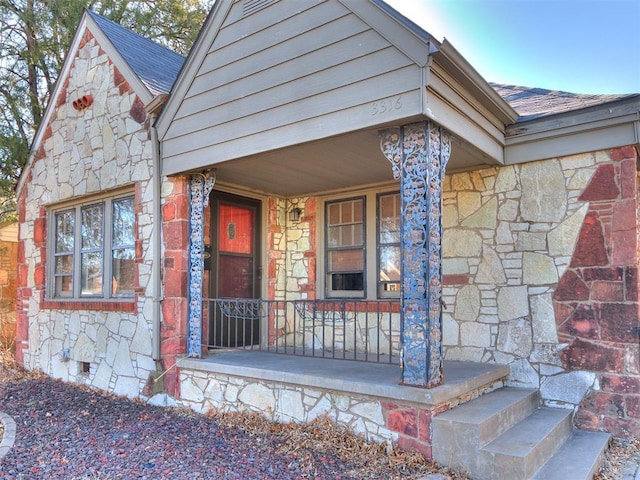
(71, 432)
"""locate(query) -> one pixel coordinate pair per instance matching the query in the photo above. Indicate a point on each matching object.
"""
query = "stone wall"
(8, 289)
(375, 418)
(84, 152)
(540, 273)
(292, 249)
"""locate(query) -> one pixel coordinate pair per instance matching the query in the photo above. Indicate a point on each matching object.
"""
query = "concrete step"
(459, 433)
(520, 451)
(578, 459)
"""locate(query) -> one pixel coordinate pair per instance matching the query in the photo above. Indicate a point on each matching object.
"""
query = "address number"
(387, 105)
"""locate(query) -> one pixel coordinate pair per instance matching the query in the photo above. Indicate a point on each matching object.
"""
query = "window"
(388, 245)
(345, 252)
(356, 237)
(91, 243)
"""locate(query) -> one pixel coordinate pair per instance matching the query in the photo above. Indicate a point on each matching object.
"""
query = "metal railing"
(363, 330)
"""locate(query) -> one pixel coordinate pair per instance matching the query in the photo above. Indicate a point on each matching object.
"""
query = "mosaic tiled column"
(418, 154)
(199, 188)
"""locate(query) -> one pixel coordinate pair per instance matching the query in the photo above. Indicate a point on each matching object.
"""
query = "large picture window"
(94, 250)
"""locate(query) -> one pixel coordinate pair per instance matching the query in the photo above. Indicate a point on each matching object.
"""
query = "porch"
(366, 397)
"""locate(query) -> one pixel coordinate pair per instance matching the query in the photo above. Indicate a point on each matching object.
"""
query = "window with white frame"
(357, 237)
(93, 247)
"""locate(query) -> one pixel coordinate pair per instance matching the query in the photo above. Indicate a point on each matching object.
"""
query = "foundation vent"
(252, 6)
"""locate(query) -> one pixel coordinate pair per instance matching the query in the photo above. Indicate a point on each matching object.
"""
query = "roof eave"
(451, 59)
(617, 124)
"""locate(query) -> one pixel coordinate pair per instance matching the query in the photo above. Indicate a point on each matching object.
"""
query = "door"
(235, 271)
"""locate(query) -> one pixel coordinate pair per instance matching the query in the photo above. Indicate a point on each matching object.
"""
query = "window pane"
(122, 269)
(347, 281)
(92, 227)
(91, 273)
(123, 222)
(64, 264)
(64, 286)
(346, 260)
(389, 226)
(64, 231)
(389, 264)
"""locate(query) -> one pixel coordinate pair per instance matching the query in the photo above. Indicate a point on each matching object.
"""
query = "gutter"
(156, 269)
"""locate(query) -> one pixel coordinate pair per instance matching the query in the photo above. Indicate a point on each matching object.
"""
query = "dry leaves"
(323, 435)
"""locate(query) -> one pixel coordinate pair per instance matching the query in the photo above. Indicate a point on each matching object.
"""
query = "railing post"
(419, 153)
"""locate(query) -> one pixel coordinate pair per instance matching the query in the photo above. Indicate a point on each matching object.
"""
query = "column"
(200, 185)
(418, 154)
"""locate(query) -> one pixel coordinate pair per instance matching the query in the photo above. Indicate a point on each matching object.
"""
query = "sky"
(579, 46)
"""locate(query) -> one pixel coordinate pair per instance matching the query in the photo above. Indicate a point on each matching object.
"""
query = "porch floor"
(370, 379)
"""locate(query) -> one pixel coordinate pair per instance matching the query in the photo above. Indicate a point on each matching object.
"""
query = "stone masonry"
(540, 271)
(84, 152)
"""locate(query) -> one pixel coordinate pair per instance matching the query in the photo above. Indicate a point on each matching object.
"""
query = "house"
(8, 282)
(325, 179)
(86, 203)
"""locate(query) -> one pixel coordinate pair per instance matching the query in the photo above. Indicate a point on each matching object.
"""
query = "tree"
(34, 38)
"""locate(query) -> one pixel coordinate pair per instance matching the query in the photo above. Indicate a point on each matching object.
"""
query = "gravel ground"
(66, 431)
(69, 432)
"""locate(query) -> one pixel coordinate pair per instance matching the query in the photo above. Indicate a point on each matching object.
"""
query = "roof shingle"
(155, 65)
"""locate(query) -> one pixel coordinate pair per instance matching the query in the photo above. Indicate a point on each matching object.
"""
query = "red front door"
(235, 269)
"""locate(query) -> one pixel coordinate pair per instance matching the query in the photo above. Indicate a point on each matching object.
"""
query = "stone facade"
(85, 151)
(540, 268)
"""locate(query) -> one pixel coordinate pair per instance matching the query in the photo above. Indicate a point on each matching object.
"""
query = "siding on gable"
(281, 76)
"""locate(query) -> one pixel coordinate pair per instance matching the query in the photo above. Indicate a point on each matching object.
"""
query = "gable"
(133, 74)
(286, 73)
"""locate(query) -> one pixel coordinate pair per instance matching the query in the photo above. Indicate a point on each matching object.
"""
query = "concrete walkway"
(8, 434)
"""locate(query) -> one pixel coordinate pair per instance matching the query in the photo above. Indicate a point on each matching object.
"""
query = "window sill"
(128, 306)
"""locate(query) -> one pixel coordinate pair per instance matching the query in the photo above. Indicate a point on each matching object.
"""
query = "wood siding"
(289, 73)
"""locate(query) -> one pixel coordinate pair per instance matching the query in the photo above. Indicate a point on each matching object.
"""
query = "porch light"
(294, 214)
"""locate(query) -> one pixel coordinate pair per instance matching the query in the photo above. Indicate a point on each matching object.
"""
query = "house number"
(386, 105)
(231, 231)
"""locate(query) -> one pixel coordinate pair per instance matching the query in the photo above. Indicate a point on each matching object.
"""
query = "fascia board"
(191, 65)
(574, 138)
(469, 77)
(415, 46)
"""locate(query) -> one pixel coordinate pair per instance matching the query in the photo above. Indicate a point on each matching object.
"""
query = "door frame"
(216, 198)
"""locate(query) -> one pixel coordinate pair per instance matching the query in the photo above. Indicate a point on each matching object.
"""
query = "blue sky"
(580, 46)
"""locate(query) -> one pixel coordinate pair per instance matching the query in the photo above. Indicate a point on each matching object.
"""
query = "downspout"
(156, 269)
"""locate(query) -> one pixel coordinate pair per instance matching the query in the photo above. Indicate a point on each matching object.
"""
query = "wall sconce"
(294, 214)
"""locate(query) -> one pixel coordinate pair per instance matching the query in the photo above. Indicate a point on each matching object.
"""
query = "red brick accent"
(138, 112)
(121, 82)
(590, 250)
(128, 307)
(451, 279)
(596, 302)
(175, 266)
(602, 185)
(571, 287)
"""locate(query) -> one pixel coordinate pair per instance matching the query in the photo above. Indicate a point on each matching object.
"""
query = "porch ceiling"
(335, 163)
